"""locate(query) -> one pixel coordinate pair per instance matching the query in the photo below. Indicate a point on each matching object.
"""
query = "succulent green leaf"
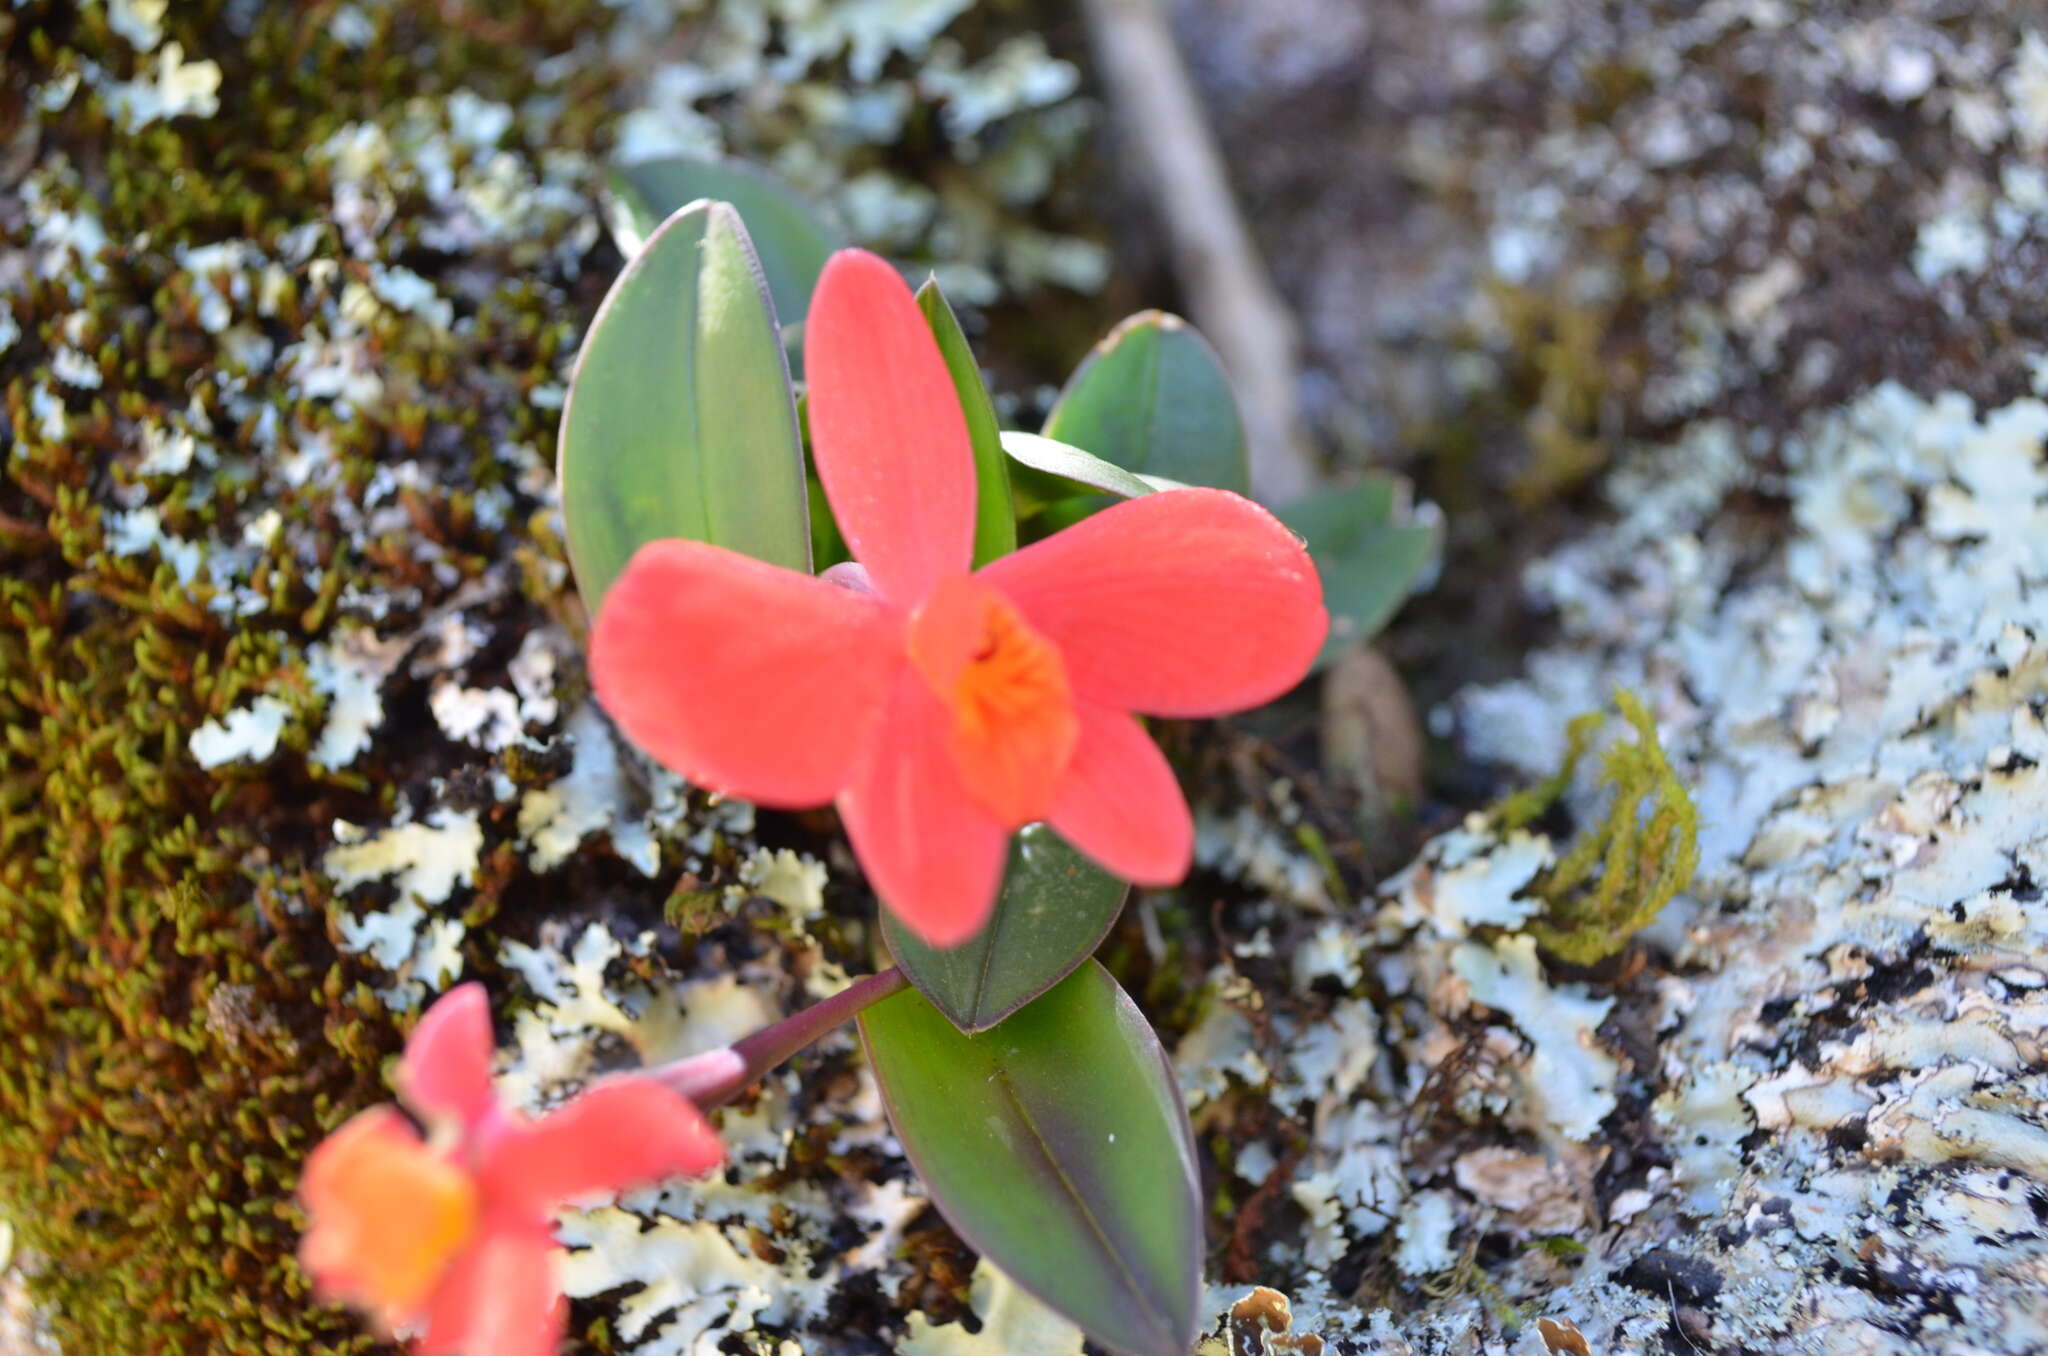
(680, 421)
(828, 544)
(1152, 398)
(1054, 910)
(1369, 552)
(791, 235)
(828, 548)
(1045, 472)
(1057, 1145)
(995, 517)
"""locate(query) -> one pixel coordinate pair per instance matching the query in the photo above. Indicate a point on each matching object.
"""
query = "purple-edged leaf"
(1054, 910)
(680, 421)
(995, 517)
(1056, 1144)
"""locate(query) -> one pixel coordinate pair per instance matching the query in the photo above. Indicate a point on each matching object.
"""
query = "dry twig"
(1232, 298)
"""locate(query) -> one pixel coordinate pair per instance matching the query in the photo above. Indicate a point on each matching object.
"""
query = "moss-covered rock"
(295, 728)
(214, 361)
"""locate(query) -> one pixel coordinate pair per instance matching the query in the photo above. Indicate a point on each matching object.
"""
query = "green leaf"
(791, 235)
(1057, 1145)
(679, 421)
(1044, 473)
(828, 546)
(1368, 551)
(1055, 908)
(1153, 399)
(995, 517)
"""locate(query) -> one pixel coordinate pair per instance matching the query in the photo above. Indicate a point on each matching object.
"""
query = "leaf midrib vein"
(1130, 1282)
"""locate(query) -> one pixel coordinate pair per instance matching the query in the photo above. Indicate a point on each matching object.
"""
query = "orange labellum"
(388, 1214)
(1014, 727)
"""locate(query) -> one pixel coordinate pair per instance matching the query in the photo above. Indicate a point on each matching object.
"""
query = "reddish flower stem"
(717, 1076)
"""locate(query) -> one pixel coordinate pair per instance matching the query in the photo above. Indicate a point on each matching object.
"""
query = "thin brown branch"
(1230, 295)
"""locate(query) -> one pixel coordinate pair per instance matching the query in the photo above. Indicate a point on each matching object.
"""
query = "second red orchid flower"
(945, 708)
(451, 1232)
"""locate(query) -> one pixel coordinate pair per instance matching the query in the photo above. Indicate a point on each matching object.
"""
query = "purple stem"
(717, 1076)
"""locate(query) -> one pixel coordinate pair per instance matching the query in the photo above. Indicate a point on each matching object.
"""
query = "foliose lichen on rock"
(296, 731)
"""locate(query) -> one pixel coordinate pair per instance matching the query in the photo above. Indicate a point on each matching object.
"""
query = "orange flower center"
(388, 1214)
(1005, 685)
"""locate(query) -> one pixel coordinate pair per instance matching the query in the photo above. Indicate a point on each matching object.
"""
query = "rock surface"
(297, 732)
(1731, 300)
(1762, 272)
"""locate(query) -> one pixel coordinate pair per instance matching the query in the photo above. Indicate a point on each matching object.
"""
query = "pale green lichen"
(281, 365)
(925, 128)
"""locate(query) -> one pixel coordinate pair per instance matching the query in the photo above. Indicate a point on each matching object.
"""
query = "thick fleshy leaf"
(503, 1296)
(1054, 910)
(995, 516)
(1057, 1145)
(887, 432)
(1121, 803)
(932, 855)
(1369, 551)
(1047, 475)
(680, 421)
(828, 548)
(1183, 603)
(744, 677)
(1153, 399)
(446, 1072)
(790, 234)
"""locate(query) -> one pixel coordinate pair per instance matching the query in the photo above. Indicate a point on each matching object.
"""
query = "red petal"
(446, 1071)
(745, 677)
(1120, 803)
(932, 854)
(886, 428)
(502, 1298)
(1181, 603)
(622, 1132)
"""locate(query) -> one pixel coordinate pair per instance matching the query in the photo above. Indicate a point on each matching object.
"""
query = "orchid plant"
(943, 710)
(974, 709)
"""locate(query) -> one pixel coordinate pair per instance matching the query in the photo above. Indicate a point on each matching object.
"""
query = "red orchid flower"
(453, 1232)
(942, 709)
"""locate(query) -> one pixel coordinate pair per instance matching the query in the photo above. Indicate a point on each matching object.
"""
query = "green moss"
(180, 1028)
(1619, 874)
(1522, 808)
(177, 1041)
(181, 1024)
(1566, 369)
(1569, 364)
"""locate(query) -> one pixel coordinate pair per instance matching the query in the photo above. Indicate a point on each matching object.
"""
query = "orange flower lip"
(389, 1215)
(1014, 727)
